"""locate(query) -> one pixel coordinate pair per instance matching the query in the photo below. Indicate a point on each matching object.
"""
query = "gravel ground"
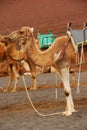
(16, 112)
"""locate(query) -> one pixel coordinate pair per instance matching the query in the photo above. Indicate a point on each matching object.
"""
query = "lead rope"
(40, 114)
(81, 60)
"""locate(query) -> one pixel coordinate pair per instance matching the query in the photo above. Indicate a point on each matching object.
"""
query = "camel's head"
(8, 39)
(18, 37)
(23, 35)
(27, 30)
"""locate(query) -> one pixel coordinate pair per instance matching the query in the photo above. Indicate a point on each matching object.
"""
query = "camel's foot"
(14, 90)
(67, 113)
(33, 88)
(6, 90)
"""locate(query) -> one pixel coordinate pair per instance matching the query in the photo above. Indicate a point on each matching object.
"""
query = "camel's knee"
(67, 92)
(34, 76)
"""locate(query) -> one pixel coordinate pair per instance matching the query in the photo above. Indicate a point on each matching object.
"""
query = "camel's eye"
(23, 43)
(21, 32)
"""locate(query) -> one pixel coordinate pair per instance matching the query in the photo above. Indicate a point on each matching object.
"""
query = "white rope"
(81, 60)
(52, 114)
(78, 83)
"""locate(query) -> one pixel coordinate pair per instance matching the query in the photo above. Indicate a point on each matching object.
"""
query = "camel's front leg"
(33, 75)
(67, 90)
(9, 84)
(73, 81)
(15, 86)
(16, 78)
(34, 83)
(11, 74)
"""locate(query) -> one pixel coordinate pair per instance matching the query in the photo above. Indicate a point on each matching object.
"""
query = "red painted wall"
(41, 14)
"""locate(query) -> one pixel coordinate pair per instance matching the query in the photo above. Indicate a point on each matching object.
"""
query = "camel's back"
(59, 42)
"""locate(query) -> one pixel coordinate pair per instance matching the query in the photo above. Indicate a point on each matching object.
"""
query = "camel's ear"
(32, 30)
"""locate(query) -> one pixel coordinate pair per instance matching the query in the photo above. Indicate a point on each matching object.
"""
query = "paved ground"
(16, 112)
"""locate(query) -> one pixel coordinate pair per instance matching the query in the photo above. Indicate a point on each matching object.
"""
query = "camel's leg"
(9, 84)
(15, 86)
(67, 89)
(33, 75)
(73, 81)
(16, 78)
(34, 84)
(10, 80)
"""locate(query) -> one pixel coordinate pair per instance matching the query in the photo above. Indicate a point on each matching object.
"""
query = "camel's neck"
(15, 54)
(47, 57)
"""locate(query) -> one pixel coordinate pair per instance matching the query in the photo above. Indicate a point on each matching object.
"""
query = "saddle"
(78, 39)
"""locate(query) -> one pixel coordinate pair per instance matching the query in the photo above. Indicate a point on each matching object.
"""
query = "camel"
(13, 68)
(4, 65)
(11, 45)
(54, 56)
(7, 68)
(60, 55)
(10, 67)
